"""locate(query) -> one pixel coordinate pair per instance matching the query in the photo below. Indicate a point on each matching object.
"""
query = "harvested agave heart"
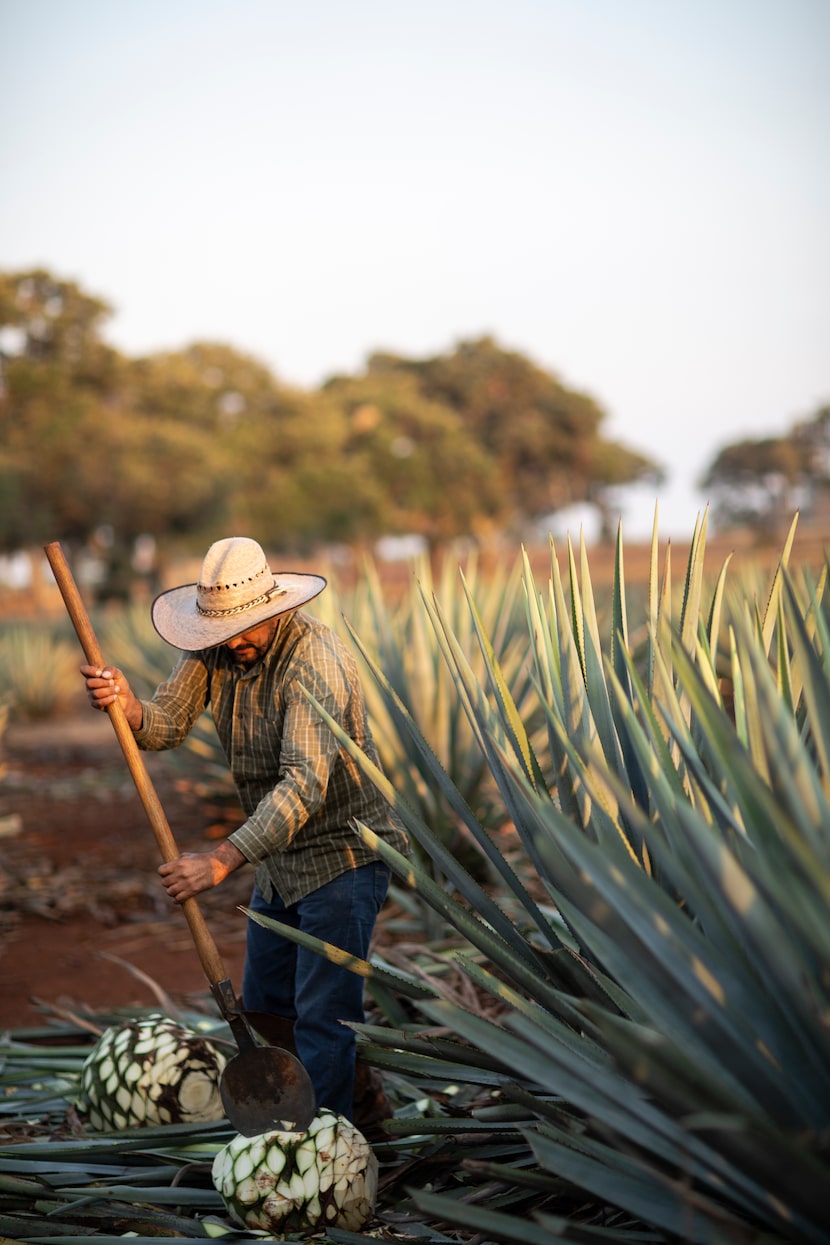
(284, 1182)
(148, 1072)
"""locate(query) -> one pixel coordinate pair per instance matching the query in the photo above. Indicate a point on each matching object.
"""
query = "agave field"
(610, 1018)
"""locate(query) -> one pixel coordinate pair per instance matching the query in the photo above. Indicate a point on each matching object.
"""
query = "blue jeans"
(286, 980)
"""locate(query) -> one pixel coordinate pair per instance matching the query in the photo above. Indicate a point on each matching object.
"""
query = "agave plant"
(663, 1047)
(397, 638)
(38, 671)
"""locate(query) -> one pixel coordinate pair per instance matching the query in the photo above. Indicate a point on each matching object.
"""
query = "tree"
(182, 444)
(79, 454)
(430, 476)
(763, 481)
(543, 437)
(54, 322)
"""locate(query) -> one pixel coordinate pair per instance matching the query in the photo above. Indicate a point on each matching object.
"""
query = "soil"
(85, 925)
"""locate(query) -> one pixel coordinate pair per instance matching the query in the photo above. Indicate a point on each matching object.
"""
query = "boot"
(370, 1103)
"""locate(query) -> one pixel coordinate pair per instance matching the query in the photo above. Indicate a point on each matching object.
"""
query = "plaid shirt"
(299, 791)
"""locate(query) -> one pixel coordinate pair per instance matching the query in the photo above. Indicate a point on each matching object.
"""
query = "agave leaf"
(64, 1168)
(495, 1225)
(716, 612)
(571, 702)
(586, 595)
(467, 886)
(721, 1034)
(403, 645)
(545, 654)
(779, 1163)
(785, 1009)
(122, 1142)
(792, 828)
(509, 712)
(467, 683)
(641, 1189)
(426, 1042)
(794, 779)
(651, 948)
(567, 1070)
(602, 718)
(738, 700)
(460, 1126)
(715, 885)
(402, 722)
(619, 613)
(524, 967)
(652, 603)
(589, 646)
(597, 1089)
(695, 1001)
(816, 679)
(705, 662)
(469, 686)
(38, 671)
(620, 665)
(577, 616)
(431, 1069)
(407, 986)
(668, 779)
(664, 686)
(783, 664)
(771, 611)
(645, 739)
(526, 972)
(693, 585)
(565, 1003)
(162, 1195)
(754, 727)
(26, 1226)
(667, 1073)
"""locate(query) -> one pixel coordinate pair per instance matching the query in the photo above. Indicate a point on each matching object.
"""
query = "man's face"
(247, 647)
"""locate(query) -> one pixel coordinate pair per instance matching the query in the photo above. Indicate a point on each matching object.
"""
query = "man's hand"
(195, 872)
(105, 685)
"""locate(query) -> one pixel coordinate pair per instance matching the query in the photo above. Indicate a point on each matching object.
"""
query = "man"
(248, 650)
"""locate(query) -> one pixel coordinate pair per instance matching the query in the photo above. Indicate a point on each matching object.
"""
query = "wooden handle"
(208, 952)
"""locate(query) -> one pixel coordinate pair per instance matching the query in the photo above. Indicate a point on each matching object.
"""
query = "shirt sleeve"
(176, 704)
(308, 752)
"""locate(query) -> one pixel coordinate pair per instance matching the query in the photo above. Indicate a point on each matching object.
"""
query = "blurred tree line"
(760, 482)
(180, 446)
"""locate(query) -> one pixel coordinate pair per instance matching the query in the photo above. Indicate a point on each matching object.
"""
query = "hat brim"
(178, 621)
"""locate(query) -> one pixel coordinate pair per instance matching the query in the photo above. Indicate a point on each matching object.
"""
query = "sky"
(635, 194)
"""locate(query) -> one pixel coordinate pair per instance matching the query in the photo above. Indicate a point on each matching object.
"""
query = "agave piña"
(148, 1072)
(281, 1181)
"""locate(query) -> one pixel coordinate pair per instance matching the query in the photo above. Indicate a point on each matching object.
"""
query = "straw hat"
(236, 591)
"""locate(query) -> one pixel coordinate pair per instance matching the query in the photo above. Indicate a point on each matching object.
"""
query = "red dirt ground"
(81, 909)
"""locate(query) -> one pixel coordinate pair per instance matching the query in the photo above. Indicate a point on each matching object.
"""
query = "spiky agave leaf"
(286, 1181)
(150, 1071)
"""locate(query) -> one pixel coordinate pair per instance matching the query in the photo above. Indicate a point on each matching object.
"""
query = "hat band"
(240, 609)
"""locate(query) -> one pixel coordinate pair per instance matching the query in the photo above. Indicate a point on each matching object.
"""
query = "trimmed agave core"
(285, 1182)
(148, 1072)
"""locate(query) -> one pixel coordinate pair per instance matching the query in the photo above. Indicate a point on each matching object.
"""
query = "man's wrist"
(229, 855)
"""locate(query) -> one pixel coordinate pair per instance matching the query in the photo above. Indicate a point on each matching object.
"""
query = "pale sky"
(633, 193)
